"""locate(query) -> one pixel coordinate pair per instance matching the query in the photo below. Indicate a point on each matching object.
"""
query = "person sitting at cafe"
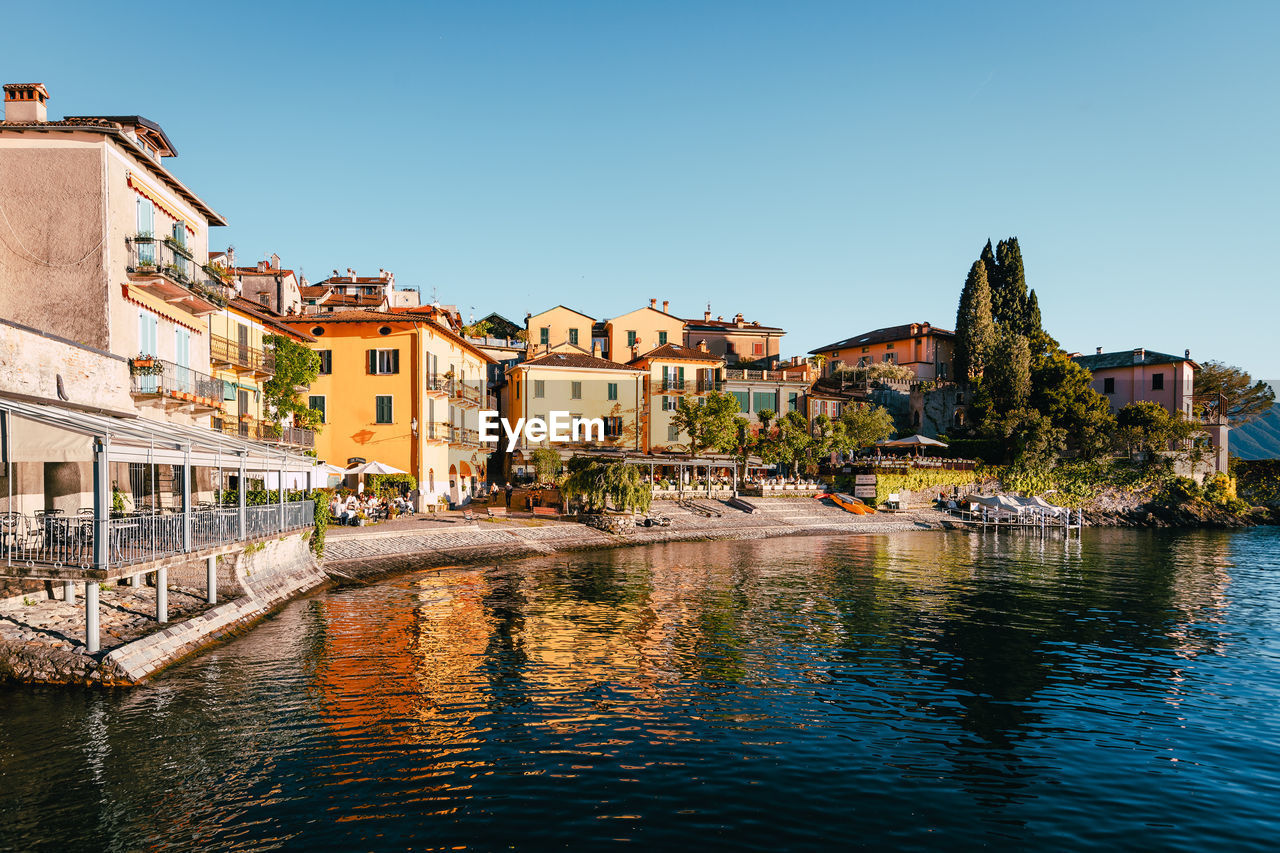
(350, 507)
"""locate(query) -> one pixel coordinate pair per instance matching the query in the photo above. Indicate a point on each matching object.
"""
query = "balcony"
(437, 383)
(672, 386)
(437, 431)
(171, 385)
(758, 375)
(166, 270)
(465, 393)
(241, 357)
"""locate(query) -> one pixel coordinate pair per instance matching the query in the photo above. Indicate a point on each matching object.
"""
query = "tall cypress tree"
(1031, 324)
(987, 257)
(975, 327)
(1009, 300)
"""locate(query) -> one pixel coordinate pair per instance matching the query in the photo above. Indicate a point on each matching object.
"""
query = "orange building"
(928, 350)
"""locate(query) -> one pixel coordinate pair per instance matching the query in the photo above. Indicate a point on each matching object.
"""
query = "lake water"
(918, 690)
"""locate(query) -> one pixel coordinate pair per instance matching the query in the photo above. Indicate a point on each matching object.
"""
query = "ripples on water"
(917, 690)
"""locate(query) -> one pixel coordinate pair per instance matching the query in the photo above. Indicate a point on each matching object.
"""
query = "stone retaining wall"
(256, 580)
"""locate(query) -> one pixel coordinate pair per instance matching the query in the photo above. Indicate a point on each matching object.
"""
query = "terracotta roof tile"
(889, 333)
(676, 352)
(575, 360)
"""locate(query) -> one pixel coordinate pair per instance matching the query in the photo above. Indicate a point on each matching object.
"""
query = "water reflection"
(1000, 690)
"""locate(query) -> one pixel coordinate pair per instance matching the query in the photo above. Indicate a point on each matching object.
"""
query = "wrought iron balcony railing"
(241, 355)
(174, 383)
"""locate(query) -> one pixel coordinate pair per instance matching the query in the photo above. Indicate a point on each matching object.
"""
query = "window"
(613, 390)
(766, 400)
(757, 349)
(631, 338)
(383, 361)
(668, 404)
(613, 427)
(383, 403)
(316, 403)
(744, 404)
(326, 362)
(673, 433)
(182, 348)
(544, 335)
(864, 349)
(1157, 382)
(573, 337)
(147, 326)
(1109, 385)
(888, 346)
(793, 401)
(575, 390)
(662, 339)
(891, 358)
(539, 388)
(146, 228)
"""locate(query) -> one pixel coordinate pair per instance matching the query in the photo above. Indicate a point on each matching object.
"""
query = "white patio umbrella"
(373, 467)
(913, 441)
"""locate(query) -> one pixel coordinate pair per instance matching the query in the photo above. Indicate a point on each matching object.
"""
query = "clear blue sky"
(827, 167)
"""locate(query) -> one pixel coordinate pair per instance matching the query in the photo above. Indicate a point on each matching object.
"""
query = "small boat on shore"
(850, 504)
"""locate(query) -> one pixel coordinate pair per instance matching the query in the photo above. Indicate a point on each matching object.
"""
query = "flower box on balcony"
(145, 366)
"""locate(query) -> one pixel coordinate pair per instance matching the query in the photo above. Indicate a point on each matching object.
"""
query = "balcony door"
(242, 343)
(146, 229)
(182, 358)
(147, 326)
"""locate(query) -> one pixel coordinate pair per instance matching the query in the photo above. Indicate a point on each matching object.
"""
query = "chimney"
(737, 319)
(1139, 355)
(653, 303)
(26, 102)
(702, 347)
(915, 329)
(1099, 350)
(275, 261)
(351, 273)
(925, 327)
(665, 306)
(595, 349)
(263, 266)
(706, 316)
(1187, 354)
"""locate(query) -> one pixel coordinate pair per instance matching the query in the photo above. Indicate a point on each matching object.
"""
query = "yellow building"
(401, 389)
(558, 328)
(672, 371)
(924, 348)
(243, 362)
(583, 386)
(625, 337)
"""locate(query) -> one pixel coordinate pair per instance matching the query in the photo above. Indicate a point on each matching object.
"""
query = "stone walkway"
(125, 613)
(414, 543)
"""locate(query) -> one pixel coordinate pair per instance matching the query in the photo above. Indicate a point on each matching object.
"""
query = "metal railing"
(163, 256)
(290, 435)
(465, 391)
(437, 382)
(173, 380)
(673, 384)
(226, 351)
(63, 540)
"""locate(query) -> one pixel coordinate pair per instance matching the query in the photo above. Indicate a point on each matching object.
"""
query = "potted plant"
(145, 365)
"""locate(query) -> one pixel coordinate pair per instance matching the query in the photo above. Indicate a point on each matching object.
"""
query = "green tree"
(1149, 426)
(296, 367)
(861, 425)
(1246, 400)
(711, 422)
(546, 464)
(1008, 376)
(765, 416)
(1009, 286)
(975, 326)
(597, 483)
(1062, 391)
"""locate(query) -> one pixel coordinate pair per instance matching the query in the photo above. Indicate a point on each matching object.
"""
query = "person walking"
(509, 491)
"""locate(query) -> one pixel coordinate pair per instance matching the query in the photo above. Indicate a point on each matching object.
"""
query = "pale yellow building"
(557, 329)
(626, 337)
(672, 371)
(583, 386)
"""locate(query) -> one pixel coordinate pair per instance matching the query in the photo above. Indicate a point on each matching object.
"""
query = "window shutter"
(395, 361)
(371, 361)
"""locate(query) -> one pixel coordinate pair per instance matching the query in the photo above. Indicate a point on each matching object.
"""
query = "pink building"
(1140, 375)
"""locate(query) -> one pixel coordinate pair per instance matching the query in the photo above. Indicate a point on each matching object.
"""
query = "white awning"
(51, 432)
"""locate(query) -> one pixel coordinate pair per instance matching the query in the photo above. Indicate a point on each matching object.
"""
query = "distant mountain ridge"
(1258, 440)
